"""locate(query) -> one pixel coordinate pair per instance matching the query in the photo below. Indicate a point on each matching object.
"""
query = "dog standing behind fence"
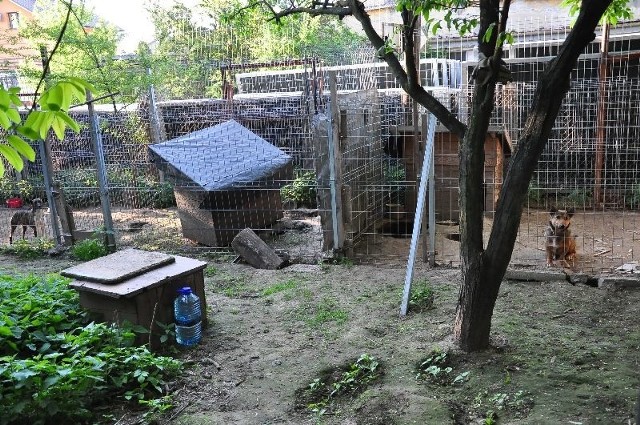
(560, 243)
(26, 219)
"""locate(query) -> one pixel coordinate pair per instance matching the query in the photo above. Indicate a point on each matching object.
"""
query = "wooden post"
(65, 214)
(601, 115)
(335, 165)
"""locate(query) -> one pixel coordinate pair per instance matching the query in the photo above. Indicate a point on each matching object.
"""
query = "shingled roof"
(25, 4)
(221, 157)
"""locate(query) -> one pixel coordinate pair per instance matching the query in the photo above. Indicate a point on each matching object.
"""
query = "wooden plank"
(118, 267)
(110, 309)
(182, 266)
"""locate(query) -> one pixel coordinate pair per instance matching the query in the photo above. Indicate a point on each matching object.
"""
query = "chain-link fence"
(326, 154)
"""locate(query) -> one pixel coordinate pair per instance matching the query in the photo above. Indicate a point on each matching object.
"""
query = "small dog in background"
(560, 244)
(26, 219)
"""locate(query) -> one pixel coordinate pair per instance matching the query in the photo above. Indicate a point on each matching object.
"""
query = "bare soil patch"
(561, 353)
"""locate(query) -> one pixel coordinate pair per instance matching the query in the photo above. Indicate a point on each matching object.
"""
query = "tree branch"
(92, 53)
(46, 68)
(416, 91)
(409, 79)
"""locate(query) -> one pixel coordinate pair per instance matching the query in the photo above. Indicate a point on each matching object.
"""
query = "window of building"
(14, 20)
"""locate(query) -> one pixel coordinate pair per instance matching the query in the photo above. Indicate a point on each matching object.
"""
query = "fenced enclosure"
(356, 143)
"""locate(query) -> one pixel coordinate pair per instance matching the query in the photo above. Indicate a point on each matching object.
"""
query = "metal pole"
(46, 172)
(96, 139)
(156, 135)
(422, 194)
(431, 254)
(332, 161)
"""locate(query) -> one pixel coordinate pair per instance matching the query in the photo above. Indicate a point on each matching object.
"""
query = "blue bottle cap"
(185, 290)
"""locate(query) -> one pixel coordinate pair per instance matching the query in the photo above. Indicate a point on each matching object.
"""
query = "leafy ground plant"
(56, 366)
(89, 249)
(422, 296)
(25, 248)
(323, 392)
(438, 367)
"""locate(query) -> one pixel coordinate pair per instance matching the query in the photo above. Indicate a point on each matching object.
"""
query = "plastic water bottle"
(188, 316)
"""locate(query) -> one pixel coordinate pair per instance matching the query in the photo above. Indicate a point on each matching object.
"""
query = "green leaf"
(487, 35)
(5, 122)
(52, 99)
(435, 28)
(23, 374)
(34, 119)
(15, 99)
(51, 380)
(14, 115)
(12, 156)
(58, 126)
(73, 125)
(22, 147)
(46, 123)
(28, 132)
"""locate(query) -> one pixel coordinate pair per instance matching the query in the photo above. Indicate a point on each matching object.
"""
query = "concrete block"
(619, 282)
(538, 275)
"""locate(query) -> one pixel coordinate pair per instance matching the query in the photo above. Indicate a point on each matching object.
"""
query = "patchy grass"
(560, 353)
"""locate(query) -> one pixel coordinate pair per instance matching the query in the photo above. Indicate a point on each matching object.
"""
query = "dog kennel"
(227, 178)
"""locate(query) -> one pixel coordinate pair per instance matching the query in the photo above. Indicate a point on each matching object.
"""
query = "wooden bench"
(138, 287)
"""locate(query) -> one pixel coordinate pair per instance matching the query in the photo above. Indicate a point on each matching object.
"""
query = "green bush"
(302, 191)
(126, 187)
(55, 366)
(422, 296)
(535, 195)
(579, 198)
(89, 249)
(25, 248)
(10, 188)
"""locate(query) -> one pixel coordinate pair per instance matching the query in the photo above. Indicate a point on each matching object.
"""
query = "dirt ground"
(606, 240)
(561, 354)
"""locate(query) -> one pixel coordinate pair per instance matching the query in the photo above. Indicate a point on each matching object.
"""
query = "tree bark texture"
(483, 271)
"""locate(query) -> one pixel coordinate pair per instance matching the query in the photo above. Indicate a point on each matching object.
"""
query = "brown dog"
(26, 219)
(560, 244)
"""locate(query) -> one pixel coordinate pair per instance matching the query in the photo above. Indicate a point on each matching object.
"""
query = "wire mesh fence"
(355, 143)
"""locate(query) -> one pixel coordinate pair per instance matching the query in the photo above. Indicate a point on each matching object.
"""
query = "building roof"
(380, 4)
(221, 157)
(25, 4)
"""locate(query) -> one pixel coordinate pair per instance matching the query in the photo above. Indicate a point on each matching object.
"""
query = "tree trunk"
(482, 271)
(475, 303)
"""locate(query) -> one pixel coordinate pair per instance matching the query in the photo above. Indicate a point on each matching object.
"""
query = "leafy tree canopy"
(191, 46)
(88, 53)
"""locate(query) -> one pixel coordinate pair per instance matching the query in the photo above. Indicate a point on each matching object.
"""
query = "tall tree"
(87, 49)
(193, 42)
(482, 269)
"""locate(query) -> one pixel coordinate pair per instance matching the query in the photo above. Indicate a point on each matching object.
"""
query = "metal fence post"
(96, 139)
(422, 195)
(46, 172)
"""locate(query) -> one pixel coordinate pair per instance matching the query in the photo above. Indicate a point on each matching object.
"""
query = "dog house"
(447, 170)
(227, 179)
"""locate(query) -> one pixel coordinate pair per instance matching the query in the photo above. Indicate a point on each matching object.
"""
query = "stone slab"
(618, 282)
(118, 267)
(180, 267)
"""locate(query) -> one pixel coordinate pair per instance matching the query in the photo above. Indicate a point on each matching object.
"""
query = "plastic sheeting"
(220, 157)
